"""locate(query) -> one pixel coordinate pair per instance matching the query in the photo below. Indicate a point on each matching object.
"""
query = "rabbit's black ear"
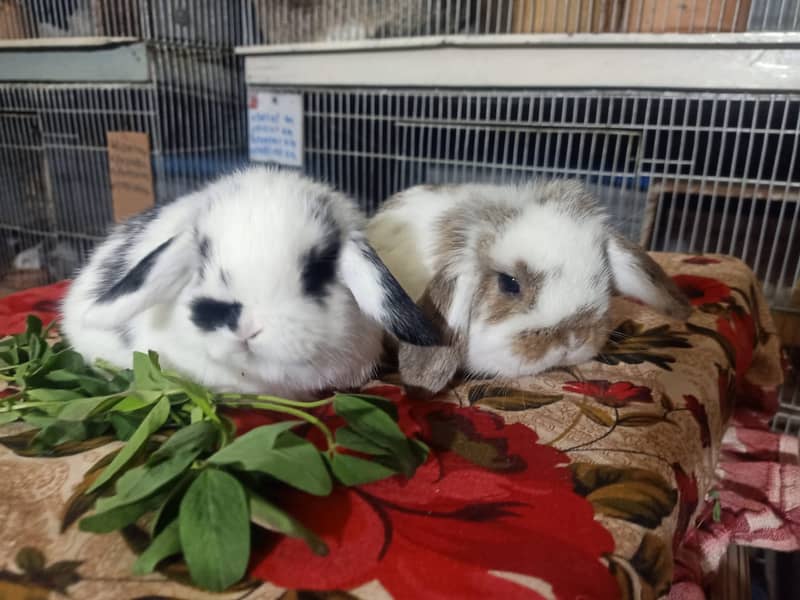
(380, 296)
(156, 278)
(636, 274)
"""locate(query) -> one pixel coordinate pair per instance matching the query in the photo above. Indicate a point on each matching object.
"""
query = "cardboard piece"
(130, 172)
(562, 16)
(700, 16)
(12, 21)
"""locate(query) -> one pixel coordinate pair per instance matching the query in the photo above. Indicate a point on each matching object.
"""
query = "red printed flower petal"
(615, 395)
(699, 413)
(702, 290)
(42, 302)
(740, 331)
(490, 499)
(701, 260)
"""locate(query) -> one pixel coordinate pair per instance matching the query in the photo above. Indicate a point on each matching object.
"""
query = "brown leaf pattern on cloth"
(638, 424)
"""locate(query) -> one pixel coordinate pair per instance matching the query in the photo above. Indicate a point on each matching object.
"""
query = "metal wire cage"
(54, 163)
(293, 21)
(165, 69)
(196, 23)
(687, 171)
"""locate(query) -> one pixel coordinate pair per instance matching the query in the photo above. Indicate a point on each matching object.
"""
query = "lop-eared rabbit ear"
(427, 371)
(156, 278)
(636, 274)
(380, 296)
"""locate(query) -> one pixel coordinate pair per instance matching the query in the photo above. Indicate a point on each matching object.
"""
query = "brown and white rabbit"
(519, 278)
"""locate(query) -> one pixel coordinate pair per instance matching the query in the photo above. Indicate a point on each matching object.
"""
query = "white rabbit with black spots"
(261, 282)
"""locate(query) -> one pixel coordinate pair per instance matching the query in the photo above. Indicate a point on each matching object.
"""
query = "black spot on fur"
(405, 320)
(204, 248)
(135, 278)
(126, 335)
(128, 234)
(209, 314)
(224, 278)
(319, 267)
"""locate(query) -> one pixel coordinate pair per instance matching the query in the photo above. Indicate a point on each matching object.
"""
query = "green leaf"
(351, 470)
(33, 325)
(9, 417)
(36, 348)
(167, 543)
(143, 480)
(61, 376)
(52, 395)
(59, 432)
(274, 450)
(38, 420)
(168, 511)
(200, 396)
(379, 402)
(68, 361)
(194, 438)
(214, 530)
(138, 400)
(118, 517)
(351, 440)
(246, 448)
(268, 516)
(377, 427)
(124, 425)
(82, 408)
(152, 422)
(147, 373)
(95, 386)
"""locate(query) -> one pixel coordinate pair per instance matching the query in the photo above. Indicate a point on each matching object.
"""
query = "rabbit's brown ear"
(426, 371)
(636, 274)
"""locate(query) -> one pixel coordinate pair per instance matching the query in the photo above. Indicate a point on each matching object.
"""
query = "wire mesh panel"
(198, 23)
(291, 21)
(55, 188)
(689, 171)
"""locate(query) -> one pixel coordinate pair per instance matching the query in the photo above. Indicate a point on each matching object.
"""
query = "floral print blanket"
(598, 481)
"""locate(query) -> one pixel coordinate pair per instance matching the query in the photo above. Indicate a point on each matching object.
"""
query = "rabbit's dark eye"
(507, 284)
(319, 268)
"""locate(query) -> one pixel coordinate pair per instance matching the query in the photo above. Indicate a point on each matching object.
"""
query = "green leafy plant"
(182, 471)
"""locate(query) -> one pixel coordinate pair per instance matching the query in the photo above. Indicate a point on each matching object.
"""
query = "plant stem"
(275, 400)
(296, 413)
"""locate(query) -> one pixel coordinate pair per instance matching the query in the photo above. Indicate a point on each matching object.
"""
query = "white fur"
(545, 235)
(259, 224)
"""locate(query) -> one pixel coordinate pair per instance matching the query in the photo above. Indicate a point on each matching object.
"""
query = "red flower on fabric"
(701, 260)
(42, 302)
(689, 498)
(615, 395)
(702, 290)
(740, 331)
(456, 527)
(699, 413)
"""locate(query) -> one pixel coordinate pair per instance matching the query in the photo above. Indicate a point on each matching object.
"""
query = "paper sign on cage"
(130, 172)
(276, 128)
